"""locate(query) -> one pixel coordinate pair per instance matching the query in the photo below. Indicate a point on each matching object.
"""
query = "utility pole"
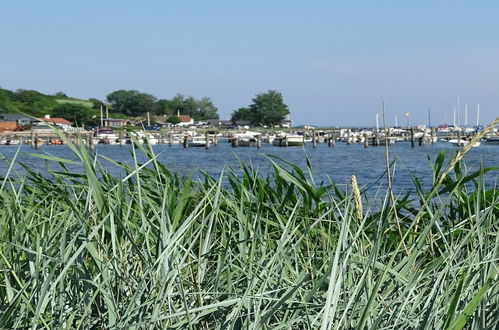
(101, 119)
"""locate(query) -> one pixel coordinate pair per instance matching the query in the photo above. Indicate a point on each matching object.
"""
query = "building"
(185, 121)
(62, 123)
(22, 120)
(111, 122)
(8, 126)
(286, 123)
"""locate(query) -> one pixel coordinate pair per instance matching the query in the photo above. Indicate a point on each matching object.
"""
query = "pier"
(211, 138)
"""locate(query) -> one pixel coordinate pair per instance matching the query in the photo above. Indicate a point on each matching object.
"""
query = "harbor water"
(329, 164)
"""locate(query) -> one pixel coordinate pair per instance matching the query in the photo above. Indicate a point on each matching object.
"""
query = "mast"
(458, 109)
(478, 115)
(429, 117)
(466, 115)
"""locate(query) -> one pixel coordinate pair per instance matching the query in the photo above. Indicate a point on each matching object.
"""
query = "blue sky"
(329, 59)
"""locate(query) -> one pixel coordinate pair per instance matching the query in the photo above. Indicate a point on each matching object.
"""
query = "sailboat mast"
(478, 115)
(466, 115)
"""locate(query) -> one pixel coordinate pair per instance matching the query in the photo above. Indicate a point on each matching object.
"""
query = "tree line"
(267, 108)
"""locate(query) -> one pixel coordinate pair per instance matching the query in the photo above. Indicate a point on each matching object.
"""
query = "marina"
(336, 163)
(246, 138)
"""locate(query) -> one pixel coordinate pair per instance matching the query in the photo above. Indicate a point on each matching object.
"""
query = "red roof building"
(8, 126)
(185, 120)
(57, 121)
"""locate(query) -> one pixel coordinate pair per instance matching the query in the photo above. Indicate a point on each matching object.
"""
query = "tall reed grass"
(153, 250)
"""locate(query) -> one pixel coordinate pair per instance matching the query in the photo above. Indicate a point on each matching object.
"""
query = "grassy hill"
(85, 103)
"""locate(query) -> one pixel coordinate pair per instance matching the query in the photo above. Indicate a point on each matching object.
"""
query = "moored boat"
(492, 140)
(462, 143)
(289, 140)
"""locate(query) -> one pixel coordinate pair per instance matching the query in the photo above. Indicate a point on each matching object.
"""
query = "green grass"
(243, 251)
(75, 101)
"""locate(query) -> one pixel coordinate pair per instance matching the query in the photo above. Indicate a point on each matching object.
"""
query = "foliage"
(131, 102)
(162, 107)
(242, 114)
(77, 113)
(125, 103)
(173, 119)
(267, 109)
(202, 109)
(205, 110)
(83, 249)
(27, 101)
(60, 95)
(96, 103)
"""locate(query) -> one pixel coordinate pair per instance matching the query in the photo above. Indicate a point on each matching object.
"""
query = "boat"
(289, 140)
(144, 137)
(105, 136)
(247, 139)
(492, 140)
(462, 143)
(197, 141)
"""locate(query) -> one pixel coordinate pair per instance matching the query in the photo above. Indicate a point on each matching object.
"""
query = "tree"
(131, 102)
(77, 113)
(242, 114)
(174, 120)
(96, 103)
(33, 102)
(162, 107)
(202, 109)
(267, 109)
(205, 110)
(60, 95)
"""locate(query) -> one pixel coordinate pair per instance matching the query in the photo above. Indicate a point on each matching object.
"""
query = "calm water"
(337, 163)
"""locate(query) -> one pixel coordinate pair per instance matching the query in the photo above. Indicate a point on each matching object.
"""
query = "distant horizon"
(329, 60)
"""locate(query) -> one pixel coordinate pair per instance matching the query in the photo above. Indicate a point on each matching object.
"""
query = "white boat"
(197, 141)
(144, 137)
(247, 139)
(289, 140)
(105, 136)
(462, 143)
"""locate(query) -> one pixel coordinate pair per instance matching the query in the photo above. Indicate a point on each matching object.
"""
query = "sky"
(333, 61)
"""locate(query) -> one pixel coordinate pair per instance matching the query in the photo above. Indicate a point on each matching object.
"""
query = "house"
(286, 123)
(8, 126)
(22, 120)
(242, 122)
(185, 121)
(63, 123)
(110, 122)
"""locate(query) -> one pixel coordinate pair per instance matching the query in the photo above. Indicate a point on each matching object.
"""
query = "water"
(337, 163)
